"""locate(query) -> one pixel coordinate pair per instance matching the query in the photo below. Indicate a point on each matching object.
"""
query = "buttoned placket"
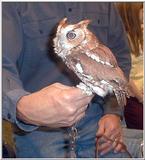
(73, 133)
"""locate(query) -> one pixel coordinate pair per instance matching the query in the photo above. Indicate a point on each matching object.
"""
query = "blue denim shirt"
(27, 30)
(29, 64)
(28, 61)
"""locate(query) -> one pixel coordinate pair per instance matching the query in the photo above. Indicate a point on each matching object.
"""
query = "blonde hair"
(129, 13)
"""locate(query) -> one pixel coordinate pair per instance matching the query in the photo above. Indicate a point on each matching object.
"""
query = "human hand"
(110, 127)
(140, 97)
(54, 106)
(134, 91)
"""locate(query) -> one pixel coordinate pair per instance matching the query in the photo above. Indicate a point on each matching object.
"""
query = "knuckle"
(66, 96)
(70, 122)
(112, 129)
(68, 125)
(118, 148)
(83, 115)
(80, 117)
(88, 99)
(71, 119)
(71, 110)
(55, 84)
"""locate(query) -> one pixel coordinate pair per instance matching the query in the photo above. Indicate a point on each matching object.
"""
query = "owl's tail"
(121, 96)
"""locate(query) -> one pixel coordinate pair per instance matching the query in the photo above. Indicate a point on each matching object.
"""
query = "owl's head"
(69, 36)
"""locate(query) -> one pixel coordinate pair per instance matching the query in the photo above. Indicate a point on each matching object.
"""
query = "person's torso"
(136, 73)
(38, 65)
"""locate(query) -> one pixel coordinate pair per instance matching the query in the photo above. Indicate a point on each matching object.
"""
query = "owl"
(93, 62)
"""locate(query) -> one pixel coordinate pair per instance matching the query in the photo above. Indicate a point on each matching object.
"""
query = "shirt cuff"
(111, 107)
(117, 112)
(10, 100)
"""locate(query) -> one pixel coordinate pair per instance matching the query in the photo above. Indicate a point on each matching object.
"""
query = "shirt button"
(70, 9)
(41, 31)
(9, 116)
(98, 21)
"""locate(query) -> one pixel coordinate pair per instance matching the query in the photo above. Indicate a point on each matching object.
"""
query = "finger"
(120, 147)
(100, 131)
(101, 139)
(107, 134)
(79, 112)
(73, 120)
(82, 109)
(106, 149)
(112, 134)
(73, 90)
(82, 102)
(78, 94)
(103, 146)
(115, 137)
(115, 144)
(79, 117)
(108, 145)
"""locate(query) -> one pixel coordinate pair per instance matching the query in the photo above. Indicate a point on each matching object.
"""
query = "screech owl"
(90, 60)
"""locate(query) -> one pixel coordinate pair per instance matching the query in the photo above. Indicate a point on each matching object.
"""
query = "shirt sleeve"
(117, 42)
(12, 86)
(111, 106)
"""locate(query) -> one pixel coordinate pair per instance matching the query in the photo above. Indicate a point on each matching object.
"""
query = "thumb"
(100, 131)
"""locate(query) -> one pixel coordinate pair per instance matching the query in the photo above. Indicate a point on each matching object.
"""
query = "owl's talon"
(84, 88)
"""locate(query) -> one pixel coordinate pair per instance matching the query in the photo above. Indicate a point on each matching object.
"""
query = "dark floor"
(7, 140)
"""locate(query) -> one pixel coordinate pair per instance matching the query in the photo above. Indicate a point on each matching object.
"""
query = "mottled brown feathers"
(91, 61)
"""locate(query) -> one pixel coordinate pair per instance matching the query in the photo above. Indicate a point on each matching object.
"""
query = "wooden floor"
(7, 134)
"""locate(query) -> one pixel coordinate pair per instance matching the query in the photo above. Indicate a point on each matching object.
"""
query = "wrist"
(22, 121)
(113, 115)
(22, 111)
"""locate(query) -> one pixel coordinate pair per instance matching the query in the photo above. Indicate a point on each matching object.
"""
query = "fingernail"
(122, 151)
(101, 153)
(115, 151)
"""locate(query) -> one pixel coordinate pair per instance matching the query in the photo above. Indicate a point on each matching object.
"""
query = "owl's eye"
(71, 35)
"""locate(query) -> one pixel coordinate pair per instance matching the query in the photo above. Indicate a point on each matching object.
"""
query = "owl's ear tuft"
(84, 23)
(62, 24)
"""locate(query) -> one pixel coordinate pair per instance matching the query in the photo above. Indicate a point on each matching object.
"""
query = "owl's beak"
(62, 23)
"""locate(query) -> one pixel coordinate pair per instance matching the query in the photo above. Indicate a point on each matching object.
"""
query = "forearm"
(12, 90)
(12, 93)
(117, 41)
(134, 91)
(12, 47)
(111, 107)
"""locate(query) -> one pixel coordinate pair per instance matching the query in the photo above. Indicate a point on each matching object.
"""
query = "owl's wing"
(99, 65)
(117, 79)
(105, 55)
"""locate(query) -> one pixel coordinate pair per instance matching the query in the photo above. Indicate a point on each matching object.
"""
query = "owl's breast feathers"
(99, 67)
